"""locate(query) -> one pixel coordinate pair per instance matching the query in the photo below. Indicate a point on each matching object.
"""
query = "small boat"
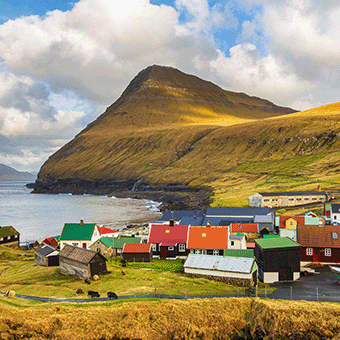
(335, 271)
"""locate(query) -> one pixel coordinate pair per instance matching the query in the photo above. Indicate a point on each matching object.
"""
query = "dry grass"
(156, 320)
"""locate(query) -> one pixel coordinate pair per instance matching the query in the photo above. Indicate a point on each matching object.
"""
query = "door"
(84, 245)
(316, 255)
(163, 252)
(285, 273)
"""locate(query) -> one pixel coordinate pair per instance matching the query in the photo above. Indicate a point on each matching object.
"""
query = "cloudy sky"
(62, 62)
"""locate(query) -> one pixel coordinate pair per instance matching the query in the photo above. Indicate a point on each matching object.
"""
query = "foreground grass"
(244, 318)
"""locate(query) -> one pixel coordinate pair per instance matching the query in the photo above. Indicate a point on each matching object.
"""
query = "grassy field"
(161, 276)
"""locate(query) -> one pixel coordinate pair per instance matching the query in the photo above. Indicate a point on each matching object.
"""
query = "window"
(291, 223)
(314, 199)
(266, 200)
(306, 198)
(232, 243)
(335, 217)
(204, 235)
(216, 252)
(291, 199)
(299, 199)
(181, 247)
(204, 252)
(1, 238)
(309, 251)
(198, 251)
(192, 251)
(154, 247)
(170, 248)
(328, 252)
(334, 236)
(75, 244)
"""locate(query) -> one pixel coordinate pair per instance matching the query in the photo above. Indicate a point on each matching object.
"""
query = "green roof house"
(79, 234)
(9, 237)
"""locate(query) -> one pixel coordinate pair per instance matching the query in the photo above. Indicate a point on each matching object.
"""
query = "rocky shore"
(176, 197)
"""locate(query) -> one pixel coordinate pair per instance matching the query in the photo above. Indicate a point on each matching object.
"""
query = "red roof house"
(137, 252)
(169, 240)
(210, 240)
(51, 241)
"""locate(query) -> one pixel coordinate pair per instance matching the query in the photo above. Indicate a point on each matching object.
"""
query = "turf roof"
(8, 231)
(280, 242)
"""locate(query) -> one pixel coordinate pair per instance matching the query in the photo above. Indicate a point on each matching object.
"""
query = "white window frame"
(328, 252)
(216, 252)
(171, 248)
(309, 251)
(154, 247)
(204, 251)
(181, 247)
(192, 251)
(197, 251)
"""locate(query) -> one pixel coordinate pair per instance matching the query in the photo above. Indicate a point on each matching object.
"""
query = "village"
(237, 245)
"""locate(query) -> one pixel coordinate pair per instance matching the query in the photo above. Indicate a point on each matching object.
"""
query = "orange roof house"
(208, 237)
(244, 227)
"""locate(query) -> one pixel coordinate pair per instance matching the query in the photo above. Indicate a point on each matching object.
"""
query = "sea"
(37, 216)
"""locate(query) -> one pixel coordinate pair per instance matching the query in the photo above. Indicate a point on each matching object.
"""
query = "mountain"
(173, 132)
(9, 174)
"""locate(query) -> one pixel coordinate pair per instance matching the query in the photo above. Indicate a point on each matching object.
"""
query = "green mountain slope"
(170, 129)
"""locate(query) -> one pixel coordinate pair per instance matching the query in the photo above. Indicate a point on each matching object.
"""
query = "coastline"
(170, 197)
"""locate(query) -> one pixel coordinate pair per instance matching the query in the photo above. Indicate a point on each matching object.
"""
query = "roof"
(203, 237)
(118, 242)
(191, 220)
(46, 249)
(250, 245)
(327, 236)
(8, 231)
(335, 208)
(177, 215)
(237, 212)
(107, 241)
(137, 248)
(280, 242)
(77, 232)
(79, 254)
(237, 237)
(162, 233)
(293, 193)
(283, 219)
(239, 253)
(244, 227)
(51, 241)
(226, 264)
(264, 219)
(104, 230)
(225, 221)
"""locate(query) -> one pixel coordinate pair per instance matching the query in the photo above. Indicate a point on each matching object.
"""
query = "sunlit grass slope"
(171, 128)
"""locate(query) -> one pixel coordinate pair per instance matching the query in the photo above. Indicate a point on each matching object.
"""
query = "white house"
(335, 214)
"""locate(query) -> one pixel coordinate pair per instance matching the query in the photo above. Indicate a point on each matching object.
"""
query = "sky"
(63, 62)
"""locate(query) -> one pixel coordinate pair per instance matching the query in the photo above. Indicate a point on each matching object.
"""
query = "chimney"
(81, 222)
(208, 224)
(171, 223)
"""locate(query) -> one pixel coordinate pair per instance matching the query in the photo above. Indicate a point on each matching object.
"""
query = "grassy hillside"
(189, 132)
(156, 320)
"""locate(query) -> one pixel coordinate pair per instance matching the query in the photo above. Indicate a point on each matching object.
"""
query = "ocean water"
(37, 216)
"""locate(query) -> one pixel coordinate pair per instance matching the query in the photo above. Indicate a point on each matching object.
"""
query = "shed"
(278, 259)
(137, 252)
(81, 262)
(46, 256)
(229, 269)
(9, 237)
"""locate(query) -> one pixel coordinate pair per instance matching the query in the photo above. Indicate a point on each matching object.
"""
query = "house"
(169, 241)
(79, 234)
(52, 241)
(265, 223)
(104, 246)
(80, 262)
(278, 259)
(208, 240)
(177, 216)
(238, 241)
(137, 252)
(234, 270)
(9, 237)
(335, 214)
(319, 244)
(286, 225)
(286, 199)
(251, 230)
(46, 256)
(228, 215)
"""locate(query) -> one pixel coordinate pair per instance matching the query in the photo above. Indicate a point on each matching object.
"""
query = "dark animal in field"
(112, 295)
(88, 281)
(123, 272)
(93, 294)
(80, 291)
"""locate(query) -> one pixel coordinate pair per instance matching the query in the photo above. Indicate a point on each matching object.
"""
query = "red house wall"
(334, 258)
